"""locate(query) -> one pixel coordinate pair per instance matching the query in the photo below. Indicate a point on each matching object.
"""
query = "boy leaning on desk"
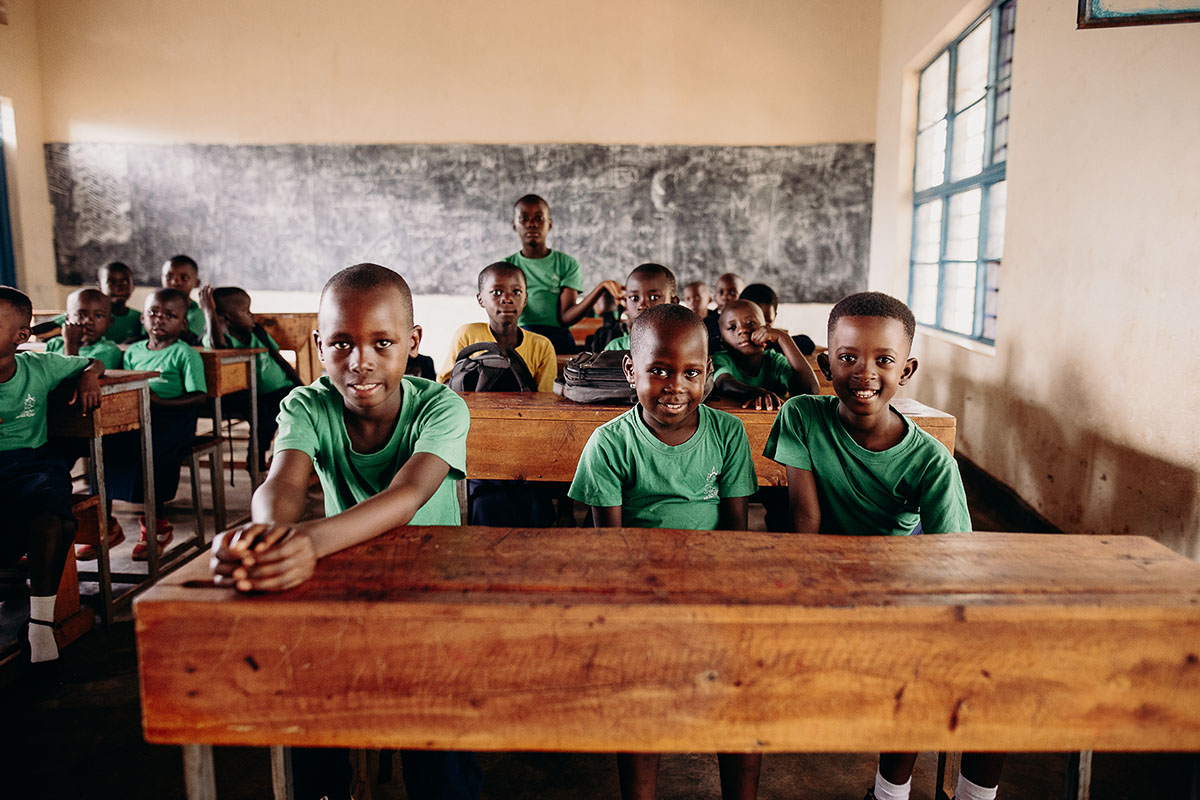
(388, 449)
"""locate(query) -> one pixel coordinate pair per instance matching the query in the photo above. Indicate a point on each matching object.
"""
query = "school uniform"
(196, 321)
(103, 350)
(665, 486)
(774, 374)
(545, 278)
(535, 350)
(867, 492)
(33, 480)
(173, 430)
(126, 326)
(619, 343)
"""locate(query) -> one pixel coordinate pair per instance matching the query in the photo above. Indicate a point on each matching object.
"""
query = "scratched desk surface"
(626, 639)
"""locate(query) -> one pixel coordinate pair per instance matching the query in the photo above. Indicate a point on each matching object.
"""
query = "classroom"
(1059, 405)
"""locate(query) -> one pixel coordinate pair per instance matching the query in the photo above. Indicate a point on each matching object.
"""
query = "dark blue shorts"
(33, 481)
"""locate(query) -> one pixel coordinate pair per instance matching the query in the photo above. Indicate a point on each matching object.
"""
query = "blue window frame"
(960, 195)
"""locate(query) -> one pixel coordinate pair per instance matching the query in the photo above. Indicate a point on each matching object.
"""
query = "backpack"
(488, 367)
(610, 328)
(596, 378)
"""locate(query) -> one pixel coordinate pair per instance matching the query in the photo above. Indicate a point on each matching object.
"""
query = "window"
(959, 189)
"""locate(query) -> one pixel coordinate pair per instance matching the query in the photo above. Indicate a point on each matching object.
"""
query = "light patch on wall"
(3, 13)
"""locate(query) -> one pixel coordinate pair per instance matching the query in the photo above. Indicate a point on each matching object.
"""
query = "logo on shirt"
(30, 405)
(710, 485)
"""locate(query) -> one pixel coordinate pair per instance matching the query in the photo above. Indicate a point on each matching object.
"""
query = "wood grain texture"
(117, 412)
(539, 436)
(629, 639)
(227, 370)
(294, 331)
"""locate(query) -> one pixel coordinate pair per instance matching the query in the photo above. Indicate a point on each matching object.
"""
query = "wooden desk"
(539, 436)
(295, 332)
(639, 640)
(124, 406)
(584, 328)
(227, 371)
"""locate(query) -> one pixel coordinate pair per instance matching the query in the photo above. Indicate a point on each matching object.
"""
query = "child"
(501, 293)
(766, 299)
(747, 372)
(83, 332)
(857, 466)
(229, 323)
(647, 286)
(176, 396)
(697, 297)
(116, 281)
(183, 275)
(388, 449)
(554, 279)
(729, 287)
(670, 462)
(35, 486)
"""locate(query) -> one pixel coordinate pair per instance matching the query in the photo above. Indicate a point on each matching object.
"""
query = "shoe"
(116, 535)
(164, 533)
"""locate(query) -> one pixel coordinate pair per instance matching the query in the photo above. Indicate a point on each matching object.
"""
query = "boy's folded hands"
(262, 557)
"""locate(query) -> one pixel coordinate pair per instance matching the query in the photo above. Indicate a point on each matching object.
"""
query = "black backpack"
(610, 328)
(596, 378)
(488, 367)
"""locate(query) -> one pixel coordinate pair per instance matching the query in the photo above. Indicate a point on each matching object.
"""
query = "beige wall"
(1089, 405)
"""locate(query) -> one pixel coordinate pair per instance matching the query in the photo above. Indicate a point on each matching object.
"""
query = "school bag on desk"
(489, 367)
(596, 378)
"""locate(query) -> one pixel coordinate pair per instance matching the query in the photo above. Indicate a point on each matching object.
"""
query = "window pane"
(924, 293)
(970, 76)
(967, 158)
(931, 157)
(962, 235)
(958, 297)
(931, 104)
(928, 241)
(997, 205)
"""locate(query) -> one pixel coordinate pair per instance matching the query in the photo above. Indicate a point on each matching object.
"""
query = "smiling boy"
(670, 462)
(647, 286)
(747, 371)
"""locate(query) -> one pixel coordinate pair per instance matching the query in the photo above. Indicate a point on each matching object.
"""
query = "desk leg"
(281, 773)
(217, 468)
(149, 504)
(252, 451)
(104, 565)
(198, 773)
(1079, 776)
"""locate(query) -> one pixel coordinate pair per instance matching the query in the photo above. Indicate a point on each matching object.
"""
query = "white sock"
(886, 790)
(972, 791)
(42, 646)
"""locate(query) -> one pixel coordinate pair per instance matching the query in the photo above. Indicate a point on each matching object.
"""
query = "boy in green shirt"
(388, 448)
(116, 281)
(747, 371)
(647, 286)
(182, 274)
(857, 466)
(89, 313)
(670, 462)
(35, 484)
(553, 277)
(229, 323)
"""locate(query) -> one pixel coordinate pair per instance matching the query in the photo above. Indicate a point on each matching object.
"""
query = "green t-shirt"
(103, 350)
(125, 326)
(433, 419)
(197, 324)
(866, 492)
(180, 368)
(619, 343)
(23, 396)
(775, 374)
(545, 278)
(663, 486)
(271, 376)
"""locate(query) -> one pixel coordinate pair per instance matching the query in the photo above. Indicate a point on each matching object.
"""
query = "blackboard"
(286, 217)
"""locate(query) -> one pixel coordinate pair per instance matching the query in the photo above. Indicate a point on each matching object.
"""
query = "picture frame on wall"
(1113, 13)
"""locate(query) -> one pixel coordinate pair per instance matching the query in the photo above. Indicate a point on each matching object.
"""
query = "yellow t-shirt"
(534, 349)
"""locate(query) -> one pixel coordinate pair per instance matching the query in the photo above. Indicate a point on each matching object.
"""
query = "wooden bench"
(684, 641)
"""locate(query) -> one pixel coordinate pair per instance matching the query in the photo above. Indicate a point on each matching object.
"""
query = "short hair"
(89, 293)
(695, 285)
(733, 305)
(665, 315)
(734, 276)
(498, 267)
(166, 295)
(224, 295)
(184, 261)
(651, 269)
(18, 301)
(531, 199)
(117, 266)
(760, 293)
(367, 277)
(873, 304)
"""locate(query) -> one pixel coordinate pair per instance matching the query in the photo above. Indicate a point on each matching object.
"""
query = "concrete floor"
(75, 732)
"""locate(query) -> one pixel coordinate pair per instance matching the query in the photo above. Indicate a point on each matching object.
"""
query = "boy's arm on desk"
(733, 514)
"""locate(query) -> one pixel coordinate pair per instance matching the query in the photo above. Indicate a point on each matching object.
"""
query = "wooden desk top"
(584, 328)
(227, 369)
(119, 410)
(539, 436)
(630, 639)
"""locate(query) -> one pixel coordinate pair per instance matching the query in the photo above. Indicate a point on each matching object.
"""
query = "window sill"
(955, 339)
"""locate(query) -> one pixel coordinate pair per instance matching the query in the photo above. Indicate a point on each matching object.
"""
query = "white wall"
(1088, 405)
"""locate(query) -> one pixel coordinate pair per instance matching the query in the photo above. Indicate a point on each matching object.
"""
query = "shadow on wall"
(1076, 477)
